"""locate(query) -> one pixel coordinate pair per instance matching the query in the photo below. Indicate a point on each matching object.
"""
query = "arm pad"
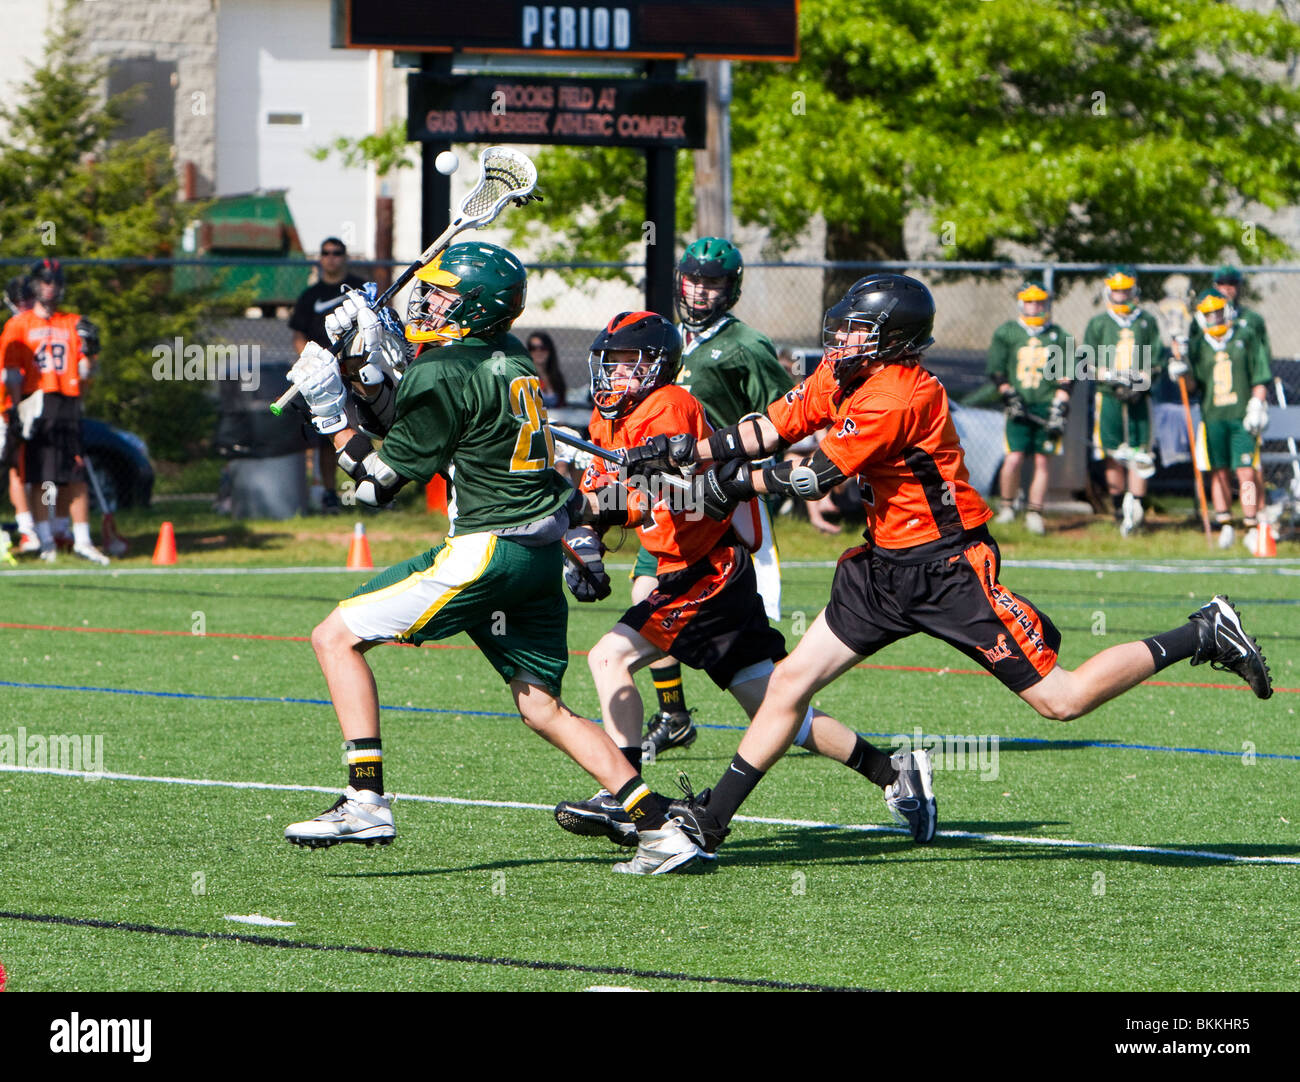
(726, 443)
(810, 479)
(377, 482)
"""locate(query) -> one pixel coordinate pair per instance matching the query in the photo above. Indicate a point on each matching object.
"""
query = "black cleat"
(1223, 642)
(600, 817)
(665, 731)
(700, 825)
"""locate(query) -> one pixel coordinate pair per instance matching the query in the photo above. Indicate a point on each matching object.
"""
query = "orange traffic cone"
(435, 494)
(1265, 541)
(359, 550)
(164, 552)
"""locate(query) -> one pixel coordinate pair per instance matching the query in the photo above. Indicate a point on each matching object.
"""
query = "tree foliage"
(70, 191)
(1136, 130)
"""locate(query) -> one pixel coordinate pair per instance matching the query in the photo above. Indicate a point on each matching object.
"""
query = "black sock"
(646, 808)
(668, 686)
(735, 785)
(633, 756)
(873, 764)
(1117, 503)
(1171, 646)
(365, 764)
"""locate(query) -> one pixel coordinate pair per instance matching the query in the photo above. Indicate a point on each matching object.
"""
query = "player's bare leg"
(1221, 497)
(577, 737)
(27, 539)
(348, 676)
(613, 660)
(1009, 484)
(671, 726)
(1037, 496)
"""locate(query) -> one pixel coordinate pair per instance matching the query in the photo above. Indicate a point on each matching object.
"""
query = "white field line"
(1276, 566)
(258, 919)
(809, 824)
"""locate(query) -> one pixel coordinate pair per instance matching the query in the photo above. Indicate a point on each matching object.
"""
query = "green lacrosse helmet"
(709, 257)
(471, 290)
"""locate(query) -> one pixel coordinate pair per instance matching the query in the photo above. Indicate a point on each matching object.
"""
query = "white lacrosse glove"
(354, 311)
(318, 379)
(1256, 416)
(1178, 368)
(29, 412)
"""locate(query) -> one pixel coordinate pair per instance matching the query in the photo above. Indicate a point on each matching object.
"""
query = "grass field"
(1179, 802)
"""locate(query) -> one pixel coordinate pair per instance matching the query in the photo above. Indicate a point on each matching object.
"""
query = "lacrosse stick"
(614, 458)
(114, 543)
(508, 176)
(1196, 468)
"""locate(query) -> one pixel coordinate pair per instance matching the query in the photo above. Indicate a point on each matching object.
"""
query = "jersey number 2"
(526, 405)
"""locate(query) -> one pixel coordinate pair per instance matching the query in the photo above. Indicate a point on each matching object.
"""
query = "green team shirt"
(1120, 348)
(1225, 372)
(1256, 323)
(733, 370)
(476, 406)
(1028, 358)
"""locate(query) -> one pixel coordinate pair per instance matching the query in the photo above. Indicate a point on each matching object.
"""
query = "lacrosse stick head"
(472, 289)
(506, 176)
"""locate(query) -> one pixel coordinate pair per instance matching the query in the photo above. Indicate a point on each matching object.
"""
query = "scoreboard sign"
(575, 112)
(652, 29)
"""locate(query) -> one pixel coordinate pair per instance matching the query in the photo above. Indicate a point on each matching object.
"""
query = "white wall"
(277, 58)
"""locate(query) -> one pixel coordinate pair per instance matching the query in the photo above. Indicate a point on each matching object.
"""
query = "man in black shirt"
(308, 325)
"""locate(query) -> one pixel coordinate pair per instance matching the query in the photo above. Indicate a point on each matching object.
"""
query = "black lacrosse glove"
(89, 335)
(724, 488)
(1056, 417)
(585, 575)
(660, 453)
(1014, 405)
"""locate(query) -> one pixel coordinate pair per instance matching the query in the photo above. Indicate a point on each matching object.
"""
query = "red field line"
(572, 653)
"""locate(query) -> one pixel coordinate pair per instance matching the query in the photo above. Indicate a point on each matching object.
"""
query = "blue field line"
(926, 738)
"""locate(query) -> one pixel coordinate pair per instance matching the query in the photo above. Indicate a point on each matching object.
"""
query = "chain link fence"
(240, 348)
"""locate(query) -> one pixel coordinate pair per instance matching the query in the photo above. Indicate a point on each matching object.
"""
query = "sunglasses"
(333, 251)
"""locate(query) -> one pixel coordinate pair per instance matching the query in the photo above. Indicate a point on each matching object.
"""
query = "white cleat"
(91, 554)
(359, 816)
(1034, 523)
(28, 544)
(1227, 536)
(663, 851)
(49, 553)
(1006, 513)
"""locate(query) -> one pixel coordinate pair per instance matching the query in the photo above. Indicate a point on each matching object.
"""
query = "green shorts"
(1027, 437)
(647, 563)
(1110, 437)
(507, 597)
(1226, 445)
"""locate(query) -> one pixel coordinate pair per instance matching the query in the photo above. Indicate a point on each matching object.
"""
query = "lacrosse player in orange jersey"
(930, 564)
(706, 610)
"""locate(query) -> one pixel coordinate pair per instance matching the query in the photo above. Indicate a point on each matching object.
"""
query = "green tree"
(1137, 130)
(71, 191)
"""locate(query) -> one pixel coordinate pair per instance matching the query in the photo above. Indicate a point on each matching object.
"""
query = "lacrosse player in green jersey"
(1228, 281)
(1124, 347)
(1027, 365)
(734, 371)
(1231, 366)
(468, 406)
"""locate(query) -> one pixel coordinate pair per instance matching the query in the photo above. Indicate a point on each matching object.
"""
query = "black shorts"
(12, 441)
(956, 598)
(710, 616)
(54, 451)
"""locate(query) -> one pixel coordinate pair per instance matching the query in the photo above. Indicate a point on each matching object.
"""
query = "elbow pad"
(726, 443)
(810, 479)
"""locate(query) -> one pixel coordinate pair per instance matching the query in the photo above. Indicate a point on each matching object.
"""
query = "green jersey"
(476, 406)
(1255, 322)
(1031, 359)
(733, 370)
(1226, 370)
(1118, 347)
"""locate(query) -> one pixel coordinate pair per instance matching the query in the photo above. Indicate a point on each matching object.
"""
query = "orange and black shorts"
(710, 616)
(957, 598)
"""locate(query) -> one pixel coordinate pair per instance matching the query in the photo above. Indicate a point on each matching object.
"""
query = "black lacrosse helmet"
(51, 271)
(19, 293)
(892, 315)
(659, 349)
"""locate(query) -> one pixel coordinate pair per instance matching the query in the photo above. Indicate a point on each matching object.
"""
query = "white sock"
(81, 534)
(26, 524)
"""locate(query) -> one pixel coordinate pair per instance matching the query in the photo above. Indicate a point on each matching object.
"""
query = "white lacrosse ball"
(447, 162)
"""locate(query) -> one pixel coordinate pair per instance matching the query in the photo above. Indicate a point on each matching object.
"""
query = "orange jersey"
(895, 431)
(49, 350)
(678, 540)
